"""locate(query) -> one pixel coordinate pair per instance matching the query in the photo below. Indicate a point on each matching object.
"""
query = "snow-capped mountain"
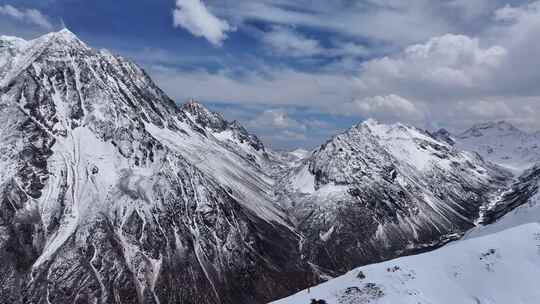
(495, 263)
(379, 191)
(110, 192)
(502, 143)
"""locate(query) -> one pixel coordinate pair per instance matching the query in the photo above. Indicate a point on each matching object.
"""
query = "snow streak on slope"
(499, 268)
(103, 197)
(517, 206)
(494, 263)
(503, 144)
(378, 191)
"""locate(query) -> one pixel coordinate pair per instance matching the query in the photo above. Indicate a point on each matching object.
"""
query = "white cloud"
(397, 25)
(266, 85)
(275, 119)
(444, 62)
(487, 110)
(287, 42)
(511, 13)
(385, 108)
(284, 41)
(194, 16)
(31, 16)
(450, 80)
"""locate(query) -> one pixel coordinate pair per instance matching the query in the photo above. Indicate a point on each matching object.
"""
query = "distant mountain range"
(499, 142)
(112, 193)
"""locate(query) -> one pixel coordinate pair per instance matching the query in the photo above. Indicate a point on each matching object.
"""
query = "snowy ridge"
(386, 190)
(503, 144)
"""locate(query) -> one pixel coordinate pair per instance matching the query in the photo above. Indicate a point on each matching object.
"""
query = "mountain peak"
(194, 105)
(203, 116)
(498, 127)
(64, 36)
(444, 135)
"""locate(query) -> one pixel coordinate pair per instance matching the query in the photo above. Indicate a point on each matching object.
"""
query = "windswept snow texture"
(499, 268)
(503, 144)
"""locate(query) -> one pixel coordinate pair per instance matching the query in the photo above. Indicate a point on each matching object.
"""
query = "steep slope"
(494, 263)
(97, 203)
(498, 268)
(379, 191)
(232, 134)
(503, 144)
(517, 206)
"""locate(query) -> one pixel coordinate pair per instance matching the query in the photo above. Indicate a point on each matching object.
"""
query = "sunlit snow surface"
(496, 268)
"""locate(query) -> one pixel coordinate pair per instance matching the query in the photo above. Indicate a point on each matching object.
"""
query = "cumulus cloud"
(28, 15)
(444, 80)
(444, 62)
(194, 16)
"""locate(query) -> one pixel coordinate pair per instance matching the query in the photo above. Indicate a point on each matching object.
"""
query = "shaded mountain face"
(500, 267)
(503, 144)
(496, 261)
(96, 203)
(379, 191)
(110, 191)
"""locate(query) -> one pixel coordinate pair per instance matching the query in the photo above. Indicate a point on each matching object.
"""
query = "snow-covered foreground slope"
(498, 268)
(494, 263)
(503, 144)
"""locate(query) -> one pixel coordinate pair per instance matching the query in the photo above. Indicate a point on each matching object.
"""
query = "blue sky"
(296, 72)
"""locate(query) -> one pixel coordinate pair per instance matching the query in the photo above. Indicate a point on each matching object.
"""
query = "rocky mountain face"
(98, 205)
(232, 133)
(501, 143)
(111, 193)
(378, 191)
(496, 262)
